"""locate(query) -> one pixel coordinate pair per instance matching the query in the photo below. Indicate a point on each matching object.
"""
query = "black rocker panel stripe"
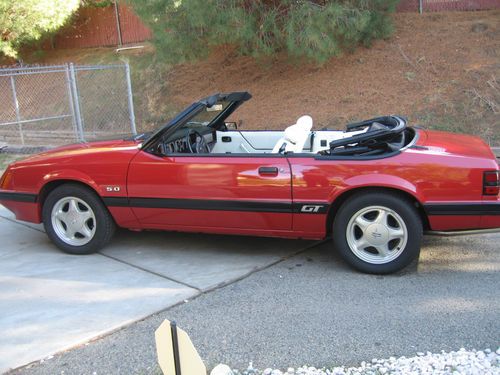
(459, 209)
(217, 205)
(18, 197)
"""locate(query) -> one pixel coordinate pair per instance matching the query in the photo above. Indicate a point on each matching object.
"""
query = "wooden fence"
(102, 27)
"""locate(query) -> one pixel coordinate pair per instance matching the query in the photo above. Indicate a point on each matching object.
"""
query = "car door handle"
(268, 171)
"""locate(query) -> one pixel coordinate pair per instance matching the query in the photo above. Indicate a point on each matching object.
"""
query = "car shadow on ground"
(201, 261)
(159, 251)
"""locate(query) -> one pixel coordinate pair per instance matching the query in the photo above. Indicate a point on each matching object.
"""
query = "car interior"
(297, 138)
(372, 137)
(206, 132)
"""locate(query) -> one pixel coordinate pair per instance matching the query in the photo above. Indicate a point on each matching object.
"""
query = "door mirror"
(231, 125)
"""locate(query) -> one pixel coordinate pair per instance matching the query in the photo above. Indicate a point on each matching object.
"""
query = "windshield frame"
(235, 99)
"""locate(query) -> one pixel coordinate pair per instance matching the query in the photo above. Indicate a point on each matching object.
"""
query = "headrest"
(305, 122)
(295, 133)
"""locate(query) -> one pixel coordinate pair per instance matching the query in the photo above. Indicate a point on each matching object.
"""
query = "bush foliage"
(317, 30)
(23, 21)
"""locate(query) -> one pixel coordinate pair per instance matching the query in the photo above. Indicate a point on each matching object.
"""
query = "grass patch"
(6, 159)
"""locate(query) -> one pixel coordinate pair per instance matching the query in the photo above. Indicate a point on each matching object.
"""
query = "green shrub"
(23, 21)
(187, 30)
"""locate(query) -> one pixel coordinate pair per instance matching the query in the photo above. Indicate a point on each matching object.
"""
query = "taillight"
(491, 183)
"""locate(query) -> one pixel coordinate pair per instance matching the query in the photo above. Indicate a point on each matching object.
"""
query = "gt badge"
(310, 208)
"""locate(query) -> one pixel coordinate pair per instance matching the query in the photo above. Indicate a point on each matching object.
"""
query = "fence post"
(130, 99)
(16, 106)
(118, 24)
(71, 102)
(76, 100)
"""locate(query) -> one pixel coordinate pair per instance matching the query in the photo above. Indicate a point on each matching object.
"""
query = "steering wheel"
(198, 145)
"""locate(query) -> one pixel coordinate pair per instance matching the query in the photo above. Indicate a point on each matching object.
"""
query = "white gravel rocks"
(461, 362)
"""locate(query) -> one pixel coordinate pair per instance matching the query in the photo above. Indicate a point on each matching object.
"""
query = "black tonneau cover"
(384, 134)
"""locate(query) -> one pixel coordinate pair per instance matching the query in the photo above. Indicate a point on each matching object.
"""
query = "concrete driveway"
(313, 309)
(52, 301)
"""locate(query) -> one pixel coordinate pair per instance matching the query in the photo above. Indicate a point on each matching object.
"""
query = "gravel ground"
(464, 362)
(312, 309)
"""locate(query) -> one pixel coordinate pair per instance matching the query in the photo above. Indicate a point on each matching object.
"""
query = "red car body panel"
(234, 179)
(221, 193)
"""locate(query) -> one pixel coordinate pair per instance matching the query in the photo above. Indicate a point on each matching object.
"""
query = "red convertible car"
(374, 188)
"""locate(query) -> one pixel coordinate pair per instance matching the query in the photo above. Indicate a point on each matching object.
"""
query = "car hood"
(455, 144)
(82, 150)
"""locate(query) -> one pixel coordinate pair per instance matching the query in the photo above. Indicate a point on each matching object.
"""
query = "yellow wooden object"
(190, 361)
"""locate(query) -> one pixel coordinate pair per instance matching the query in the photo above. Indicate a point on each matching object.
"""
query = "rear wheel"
(76, 220)
(378, 232)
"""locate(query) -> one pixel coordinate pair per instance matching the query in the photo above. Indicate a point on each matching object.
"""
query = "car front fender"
(68, 175)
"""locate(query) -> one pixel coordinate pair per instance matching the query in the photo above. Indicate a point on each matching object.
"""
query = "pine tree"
(186, 30)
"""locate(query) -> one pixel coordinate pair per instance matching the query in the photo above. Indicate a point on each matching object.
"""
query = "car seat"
(295, 136)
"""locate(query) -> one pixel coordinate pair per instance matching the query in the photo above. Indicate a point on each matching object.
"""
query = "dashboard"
(177, 143)
(177, 146)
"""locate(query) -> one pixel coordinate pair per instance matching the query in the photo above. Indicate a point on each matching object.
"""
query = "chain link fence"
(54, 105)
(423, 6)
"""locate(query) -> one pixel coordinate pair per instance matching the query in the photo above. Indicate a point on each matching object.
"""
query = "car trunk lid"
(455, 144)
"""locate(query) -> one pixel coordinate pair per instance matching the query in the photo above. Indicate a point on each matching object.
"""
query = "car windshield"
(204, 117)
(210, 111)
(207, 115)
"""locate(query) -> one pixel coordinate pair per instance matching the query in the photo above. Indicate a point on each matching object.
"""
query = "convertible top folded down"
(381, 135)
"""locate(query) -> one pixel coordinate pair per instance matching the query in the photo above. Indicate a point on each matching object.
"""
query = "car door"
(238, 194)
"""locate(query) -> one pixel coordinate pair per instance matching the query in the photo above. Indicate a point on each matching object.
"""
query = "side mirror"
(231, 125)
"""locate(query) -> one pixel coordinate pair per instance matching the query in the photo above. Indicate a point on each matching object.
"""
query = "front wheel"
(76, 220)
(378, 232)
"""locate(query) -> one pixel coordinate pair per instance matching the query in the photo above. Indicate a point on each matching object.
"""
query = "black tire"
(104, 223)
(396, 202)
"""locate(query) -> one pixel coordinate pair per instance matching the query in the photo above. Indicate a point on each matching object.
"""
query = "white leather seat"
(295, 136)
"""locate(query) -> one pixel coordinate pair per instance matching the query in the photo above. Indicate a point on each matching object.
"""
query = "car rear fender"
(374, 183)
(380, 181)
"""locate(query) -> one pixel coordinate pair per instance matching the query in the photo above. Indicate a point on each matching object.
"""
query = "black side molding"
(18, 197)
(463, 209)
(218, 205)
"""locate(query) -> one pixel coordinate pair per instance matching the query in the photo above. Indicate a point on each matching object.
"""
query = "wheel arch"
(104, 223)
(344, 196)
(51, 185)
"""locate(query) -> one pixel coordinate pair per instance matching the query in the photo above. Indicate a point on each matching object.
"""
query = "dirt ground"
(441, 70)
(445, 64)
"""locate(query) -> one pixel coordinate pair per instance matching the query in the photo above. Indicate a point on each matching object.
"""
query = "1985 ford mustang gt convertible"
(374, 188)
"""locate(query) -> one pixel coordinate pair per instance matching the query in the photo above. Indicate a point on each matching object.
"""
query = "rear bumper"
(24, 205)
